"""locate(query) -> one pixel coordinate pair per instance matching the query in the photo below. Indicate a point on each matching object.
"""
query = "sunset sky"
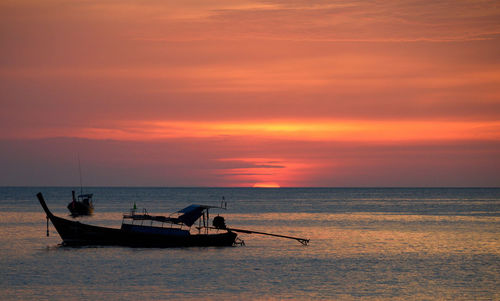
(250, 93)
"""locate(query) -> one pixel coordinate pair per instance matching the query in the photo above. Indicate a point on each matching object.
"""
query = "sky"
(250, 93)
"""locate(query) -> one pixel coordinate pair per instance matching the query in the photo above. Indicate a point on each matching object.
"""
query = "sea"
(365, 244)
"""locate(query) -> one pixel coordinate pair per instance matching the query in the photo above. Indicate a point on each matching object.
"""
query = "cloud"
(173, 89)
(204, 162)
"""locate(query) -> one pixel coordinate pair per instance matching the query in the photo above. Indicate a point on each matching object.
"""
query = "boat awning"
(86, 196)
(192, 213)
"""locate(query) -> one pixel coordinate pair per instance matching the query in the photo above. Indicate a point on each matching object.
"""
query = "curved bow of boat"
(44, 205)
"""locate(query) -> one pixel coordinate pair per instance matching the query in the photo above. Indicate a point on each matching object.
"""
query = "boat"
(81, 205)
(144, 230)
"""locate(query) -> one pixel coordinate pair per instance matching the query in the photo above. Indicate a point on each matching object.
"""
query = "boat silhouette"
(144, 230)
(81, 205)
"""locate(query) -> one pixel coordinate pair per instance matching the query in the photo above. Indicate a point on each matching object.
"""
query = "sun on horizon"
(266, 185)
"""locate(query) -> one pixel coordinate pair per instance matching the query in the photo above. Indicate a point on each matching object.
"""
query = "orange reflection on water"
(354, 234)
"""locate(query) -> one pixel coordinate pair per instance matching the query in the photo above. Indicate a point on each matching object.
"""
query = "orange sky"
(250, 93)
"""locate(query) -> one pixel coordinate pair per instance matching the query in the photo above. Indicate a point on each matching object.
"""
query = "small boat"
(145, 230)
(82, 205)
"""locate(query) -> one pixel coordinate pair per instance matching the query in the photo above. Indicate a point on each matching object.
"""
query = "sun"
(266, 185)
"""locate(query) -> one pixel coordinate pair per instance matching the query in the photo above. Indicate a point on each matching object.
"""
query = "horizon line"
(240, 187)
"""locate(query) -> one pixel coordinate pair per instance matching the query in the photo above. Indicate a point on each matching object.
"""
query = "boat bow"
(44, 205)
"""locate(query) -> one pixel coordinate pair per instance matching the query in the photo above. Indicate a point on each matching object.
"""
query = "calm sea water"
(370, 244)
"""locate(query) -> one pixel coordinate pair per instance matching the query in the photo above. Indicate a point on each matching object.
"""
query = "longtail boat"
(145, 230)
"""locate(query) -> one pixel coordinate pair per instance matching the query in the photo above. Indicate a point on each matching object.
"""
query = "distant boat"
(82, 205)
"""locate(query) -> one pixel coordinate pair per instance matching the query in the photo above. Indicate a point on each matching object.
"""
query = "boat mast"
(80, 172)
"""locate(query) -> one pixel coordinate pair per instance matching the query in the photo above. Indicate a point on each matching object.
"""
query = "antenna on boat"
(223, 202)
(80, 172)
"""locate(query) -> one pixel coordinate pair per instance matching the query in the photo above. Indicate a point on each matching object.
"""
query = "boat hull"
(79, 208)
(74, 233)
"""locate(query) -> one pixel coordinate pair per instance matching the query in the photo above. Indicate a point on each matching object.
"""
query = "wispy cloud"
(301, 130)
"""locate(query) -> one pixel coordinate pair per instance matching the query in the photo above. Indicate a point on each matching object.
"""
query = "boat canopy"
(192, 213)
(86, 196)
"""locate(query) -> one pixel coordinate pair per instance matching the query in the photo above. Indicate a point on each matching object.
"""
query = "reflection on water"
(437, 244)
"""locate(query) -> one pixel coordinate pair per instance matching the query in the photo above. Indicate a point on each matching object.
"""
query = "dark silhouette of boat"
(144, 230)
(82, 205)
